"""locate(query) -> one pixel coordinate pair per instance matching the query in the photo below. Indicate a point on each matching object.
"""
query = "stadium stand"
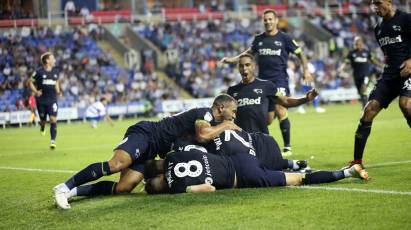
(86, 71)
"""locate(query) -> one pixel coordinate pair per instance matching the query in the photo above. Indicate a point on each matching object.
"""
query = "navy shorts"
(251, 173)
(268, 152)
(283, 88)
(387, 89)
(45, 109)
(139, 146)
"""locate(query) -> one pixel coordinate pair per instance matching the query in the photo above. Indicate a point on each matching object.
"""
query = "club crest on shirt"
(208, 117)
(44, 76)
(396, 28)
(257, 91)
(260, 43)
(278, 43)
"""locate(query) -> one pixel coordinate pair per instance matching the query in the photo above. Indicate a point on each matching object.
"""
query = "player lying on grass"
(260, 145)
(198, 171)
(143, 141)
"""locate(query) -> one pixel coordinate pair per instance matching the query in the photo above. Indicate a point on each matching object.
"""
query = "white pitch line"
(37, 170)
(354, 190)
(387, 164)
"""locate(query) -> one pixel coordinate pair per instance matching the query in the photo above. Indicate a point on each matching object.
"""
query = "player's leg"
(384, 92)
(52, 110)
(405, 105)
(285, 127)
(41, 109)
(325, 176)
(129, 179)
(405, 99)
(360, 84)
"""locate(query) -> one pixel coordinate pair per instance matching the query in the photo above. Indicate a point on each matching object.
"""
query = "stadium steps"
(117, 56)
(106, 46)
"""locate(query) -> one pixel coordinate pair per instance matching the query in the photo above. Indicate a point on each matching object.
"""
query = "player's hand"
(311, 94)
(307, 76)
(406, 68)
(38, 93)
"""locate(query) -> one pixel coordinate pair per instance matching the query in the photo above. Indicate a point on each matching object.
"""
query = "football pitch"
(29, 171)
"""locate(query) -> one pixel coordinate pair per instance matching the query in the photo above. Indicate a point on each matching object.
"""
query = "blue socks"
(285, 131)
(361, 136)
(90, 173)
(323, 177)
(97, 189)
(53, 131)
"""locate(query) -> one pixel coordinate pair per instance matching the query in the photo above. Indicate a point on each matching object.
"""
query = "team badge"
(257, 91)
(278, 43)
(396, 28)
(44, 76)
(208, 117)
(260, 43)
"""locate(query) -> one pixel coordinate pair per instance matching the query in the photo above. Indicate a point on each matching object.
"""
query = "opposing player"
(257, 98)
(272, 48)
(359, 58)
(143, 141)
(199, 171)
(45, 86)
(393, 34)
(97, 111)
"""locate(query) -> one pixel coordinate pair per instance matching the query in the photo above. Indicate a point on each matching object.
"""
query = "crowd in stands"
(86, 72)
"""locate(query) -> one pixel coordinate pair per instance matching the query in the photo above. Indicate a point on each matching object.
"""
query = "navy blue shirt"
(254, 100)
(46, 82)
(260, 145)
(272, 52)
(183, 169)
(360, 62)
(394, 37)
(167, 130)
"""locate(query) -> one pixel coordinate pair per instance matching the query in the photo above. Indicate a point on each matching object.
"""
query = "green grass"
(26, 200)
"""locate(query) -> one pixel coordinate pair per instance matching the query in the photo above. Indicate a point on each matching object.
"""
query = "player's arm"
(58, 88)
(32, 86)
(406, 65)
(344, 65)
(200, 188)
(234, 59)
(306, 74)
(205, 132)
(292, 102)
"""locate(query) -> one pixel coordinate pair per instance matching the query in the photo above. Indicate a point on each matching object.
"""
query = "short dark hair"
(246, 55)
(44, 57)
(223, 99)
(156, 185)
(270, 11)
(152, 168)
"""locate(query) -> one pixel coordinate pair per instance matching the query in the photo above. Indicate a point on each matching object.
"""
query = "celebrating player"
(272, 48)
(143, 141)
(45, 86)
(360, 59)
(256, 98)
(199, 171)
(393, 34)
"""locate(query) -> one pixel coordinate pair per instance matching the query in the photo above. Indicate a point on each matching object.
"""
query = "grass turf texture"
(26, 199)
